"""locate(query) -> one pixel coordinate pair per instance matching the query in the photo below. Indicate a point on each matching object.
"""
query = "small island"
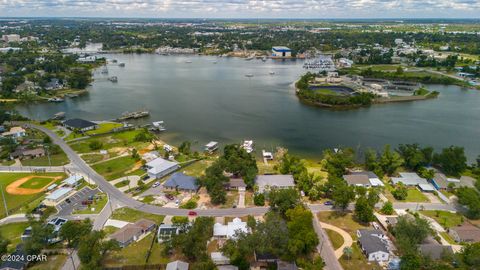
(331, 90)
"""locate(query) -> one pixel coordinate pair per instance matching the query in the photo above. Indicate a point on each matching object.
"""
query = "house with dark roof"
(374, 244)
(18, 260)
(27, 153)
(133, 232)
(357, 180)
(80, 124)
(181, 182)
(236, 183)
(435, 251)
(372, 178)
(465, 232)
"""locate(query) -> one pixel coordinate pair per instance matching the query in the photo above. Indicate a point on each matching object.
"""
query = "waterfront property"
(267, 182)
(181, 182)
(281, 52)
(409, 179)
(441, 182)
(79, 124)
(160, 167)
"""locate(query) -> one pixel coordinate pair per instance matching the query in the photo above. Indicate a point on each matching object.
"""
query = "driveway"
(347, 239)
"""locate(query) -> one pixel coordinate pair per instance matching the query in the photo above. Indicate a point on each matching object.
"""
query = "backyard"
(116, 140)
(118, 167)
(131, 215)
(444, 218)
(13, 232)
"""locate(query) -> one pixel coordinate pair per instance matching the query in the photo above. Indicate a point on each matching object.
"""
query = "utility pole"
(4, 200)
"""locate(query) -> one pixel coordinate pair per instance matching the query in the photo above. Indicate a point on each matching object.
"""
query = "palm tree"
(348, 251)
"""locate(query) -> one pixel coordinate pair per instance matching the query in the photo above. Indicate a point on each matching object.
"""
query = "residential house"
(15, 133)
(133, 232)
(177, 265)
(435, 251)
(227, 267)
(237, 184)
(80, 124)
(267, 182)
(27, 153)
(53, 84)
(357, 180)
(441, 182)
(181, 182)
(465, 232)
(18, 262)
(374, 245)
(160, 167)
(372, 178)
(166, 231)
(228, 231)
(283, 265)
(409, 179)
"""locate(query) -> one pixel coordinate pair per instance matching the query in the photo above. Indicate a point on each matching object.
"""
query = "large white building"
(160, 167)
(228, 231)
(11, 38)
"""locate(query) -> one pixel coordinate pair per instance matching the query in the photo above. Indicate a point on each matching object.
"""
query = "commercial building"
(57, 196)
(73, 181)
(281, 52)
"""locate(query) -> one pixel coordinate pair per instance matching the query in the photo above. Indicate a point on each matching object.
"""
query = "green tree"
(452, 160)
(95, 145)
(193, 243)
(363, 210)
(259, 199)
(185, 148)
(3, 245)
(93, 247)
(470, 198)
(387, 208)
(400, 192)
(470, 256)
(283, 199)
(343, 195)
(72, 231)
(348, 252)
(338, 161)
(390, 160)
(410, 232)
(302, 237)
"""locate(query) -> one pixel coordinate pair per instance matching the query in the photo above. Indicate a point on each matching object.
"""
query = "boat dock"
(133, 115)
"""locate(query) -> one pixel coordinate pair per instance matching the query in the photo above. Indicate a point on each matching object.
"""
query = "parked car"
(170, 197)
(328, 203)
(145, 177)
(68, 200)
(156, 184)
(192, 213)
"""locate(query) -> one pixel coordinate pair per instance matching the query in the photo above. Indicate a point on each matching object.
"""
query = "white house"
(267, 182)
(160, 167)
(15, 132)
(228, 231)
(374, 245)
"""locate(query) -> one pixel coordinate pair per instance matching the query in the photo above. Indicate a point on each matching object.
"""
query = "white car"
(156, 184)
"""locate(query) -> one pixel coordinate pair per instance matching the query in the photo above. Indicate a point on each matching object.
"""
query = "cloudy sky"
(244, 8)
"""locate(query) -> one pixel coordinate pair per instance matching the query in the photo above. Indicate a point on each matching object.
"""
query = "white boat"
(113, 79)
(188, 62)
(158, 126)
(272, 72)
(249, 75)
(264, 59)
(211, 147)
(56, 99)
(248, 146)
(251, 57)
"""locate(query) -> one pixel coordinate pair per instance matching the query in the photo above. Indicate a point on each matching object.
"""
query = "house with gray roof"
(372, 178)
(374, 244)
(409, 179)
(280, 181)
(357, 180)
(181, 182)
(177, 265)
(466, 232)
(435, 251)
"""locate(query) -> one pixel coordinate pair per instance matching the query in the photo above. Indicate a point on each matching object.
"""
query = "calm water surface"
(202, 101)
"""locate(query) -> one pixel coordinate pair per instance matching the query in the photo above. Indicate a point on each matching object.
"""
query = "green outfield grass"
(36, 183)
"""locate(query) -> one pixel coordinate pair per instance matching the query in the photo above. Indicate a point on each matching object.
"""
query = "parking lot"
(74, 202)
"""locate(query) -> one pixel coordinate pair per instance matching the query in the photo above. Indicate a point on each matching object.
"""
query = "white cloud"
(244, 8)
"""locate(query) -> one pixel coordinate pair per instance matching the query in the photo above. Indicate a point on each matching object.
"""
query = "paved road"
(325, 247)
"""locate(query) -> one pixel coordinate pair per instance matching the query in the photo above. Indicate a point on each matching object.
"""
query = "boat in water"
(264, 59)
(272, 73)
(249, 75)
(113, 79)
(248, 146)
(104, 70)
(58, 116)
(157, 126)
(251, 57)
(71, 95)
(121, 65)
(56, 99)
(188, 62)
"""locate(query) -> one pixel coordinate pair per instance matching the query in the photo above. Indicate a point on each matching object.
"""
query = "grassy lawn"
(104, 128)
(16, 201)
(335, 238)
(232, 199)
(122, 183)
(197, 168)
(120, 139)
(97, 205)
(110, 229)
(116, 168)
(448, 238)
(55, 160)
(316, 168)
(444, 218)
(135, 254)
(13, 232)
(53, 262)
(36, 182)
(357, 261)
(345, 222)
(92, 158)
(327, 92)
(415, 195)
(131, 215)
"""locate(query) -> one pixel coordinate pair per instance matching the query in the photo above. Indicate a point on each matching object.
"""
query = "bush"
(190, 204)
(259, 199)
(95, 145)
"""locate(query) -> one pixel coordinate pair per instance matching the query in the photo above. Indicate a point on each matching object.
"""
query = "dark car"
(170, 197)
(328, 203)
(192, 213)
(68, 200)
(145, 177)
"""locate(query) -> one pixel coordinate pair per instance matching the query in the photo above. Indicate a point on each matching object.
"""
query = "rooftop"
(409, 179)
(357, 179)
(159, 165)
(73, 179)
(229, 230)
(177, 265)
(371, 241)
(181, 181)
(58, 193)
(277, 180)
(78, 123)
